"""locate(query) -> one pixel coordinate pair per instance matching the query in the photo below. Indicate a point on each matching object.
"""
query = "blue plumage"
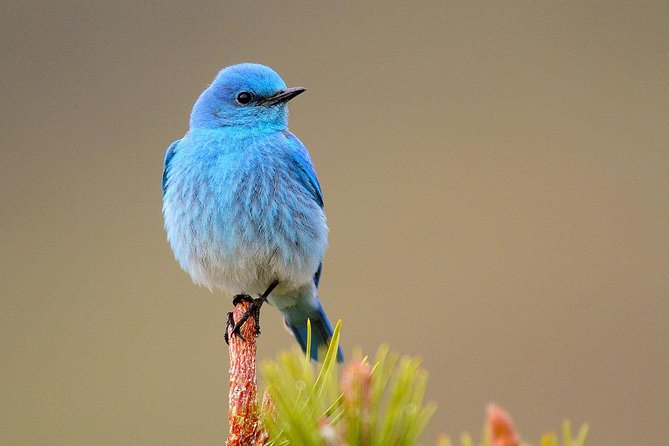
(241, 200)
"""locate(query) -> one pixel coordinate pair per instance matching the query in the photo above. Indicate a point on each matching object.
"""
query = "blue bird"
(242, 204)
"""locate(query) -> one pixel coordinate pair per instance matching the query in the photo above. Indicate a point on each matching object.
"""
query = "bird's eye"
(244, 97)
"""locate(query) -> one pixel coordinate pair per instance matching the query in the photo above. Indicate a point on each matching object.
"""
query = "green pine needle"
(381, 404)
(310, 407)
(549, 439)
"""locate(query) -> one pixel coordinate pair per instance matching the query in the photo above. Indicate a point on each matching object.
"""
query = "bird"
(242, 204)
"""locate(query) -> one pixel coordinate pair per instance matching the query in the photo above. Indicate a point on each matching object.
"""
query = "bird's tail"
(321, 329)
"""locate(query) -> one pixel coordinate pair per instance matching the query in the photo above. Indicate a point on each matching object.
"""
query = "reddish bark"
(243, 410)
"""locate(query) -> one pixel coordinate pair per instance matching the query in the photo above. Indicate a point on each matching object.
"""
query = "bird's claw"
(241, 297)
(230, 323)
(236, 327)
(254, 310)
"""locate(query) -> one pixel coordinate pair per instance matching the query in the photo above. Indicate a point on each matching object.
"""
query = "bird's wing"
(317, 276)
(166, 167)
(308, 178)
(305, 168)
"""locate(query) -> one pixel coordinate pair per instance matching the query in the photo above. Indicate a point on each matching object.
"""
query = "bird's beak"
(283, 96)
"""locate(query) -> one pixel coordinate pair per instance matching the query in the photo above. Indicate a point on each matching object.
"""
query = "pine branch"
(378, 403)
(243, 410)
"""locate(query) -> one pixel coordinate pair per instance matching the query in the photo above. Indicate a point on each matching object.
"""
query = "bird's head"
(249, 95)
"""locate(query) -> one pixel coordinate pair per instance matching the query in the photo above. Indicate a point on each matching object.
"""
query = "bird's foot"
(231, 320)
(254, 310)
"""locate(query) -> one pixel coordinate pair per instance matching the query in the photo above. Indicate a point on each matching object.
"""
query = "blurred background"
(495, 176)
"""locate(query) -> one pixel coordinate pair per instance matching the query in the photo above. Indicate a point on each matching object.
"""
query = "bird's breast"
(241, 218)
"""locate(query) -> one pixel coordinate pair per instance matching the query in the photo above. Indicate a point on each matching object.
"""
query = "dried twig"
(243, 410)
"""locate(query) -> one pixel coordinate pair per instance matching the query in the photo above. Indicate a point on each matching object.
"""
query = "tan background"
(495, 176)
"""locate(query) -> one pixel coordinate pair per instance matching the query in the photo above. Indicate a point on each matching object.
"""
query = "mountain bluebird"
(242, 204)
